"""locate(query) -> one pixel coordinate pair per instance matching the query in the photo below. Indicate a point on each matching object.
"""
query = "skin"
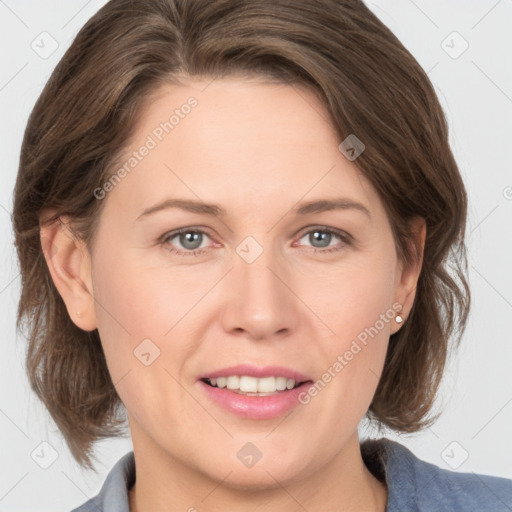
(258, 150)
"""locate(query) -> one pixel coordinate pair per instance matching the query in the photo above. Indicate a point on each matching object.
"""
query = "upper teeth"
(248, 384)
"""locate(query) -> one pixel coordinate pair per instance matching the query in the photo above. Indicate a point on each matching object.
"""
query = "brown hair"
(371, 86)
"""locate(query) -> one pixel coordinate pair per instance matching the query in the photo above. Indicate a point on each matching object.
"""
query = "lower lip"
(256, 407)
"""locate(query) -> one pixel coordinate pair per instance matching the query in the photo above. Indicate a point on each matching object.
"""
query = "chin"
(253, 480)
(271, 473)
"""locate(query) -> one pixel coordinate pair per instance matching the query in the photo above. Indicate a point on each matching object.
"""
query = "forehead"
(239, 111)
(236, 140)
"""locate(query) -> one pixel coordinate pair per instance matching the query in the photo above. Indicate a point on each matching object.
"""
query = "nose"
(260, 300)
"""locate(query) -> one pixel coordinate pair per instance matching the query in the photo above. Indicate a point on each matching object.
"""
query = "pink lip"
(253, 371)
(256, 407)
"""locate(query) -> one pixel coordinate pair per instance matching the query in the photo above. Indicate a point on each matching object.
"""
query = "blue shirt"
(413, 485)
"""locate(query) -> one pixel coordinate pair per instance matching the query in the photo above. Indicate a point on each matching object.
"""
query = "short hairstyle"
(370, 85)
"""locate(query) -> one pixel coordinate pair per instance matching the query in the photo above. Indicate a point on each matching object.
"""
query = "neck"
(344, 484)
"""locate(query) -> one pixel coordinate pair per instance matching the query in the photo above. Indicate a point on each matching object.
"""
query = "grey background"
(475, 89)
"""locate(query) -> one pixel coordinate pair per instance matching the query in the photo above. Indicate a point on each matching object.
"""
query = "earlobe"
(69, 264)
(407, 278)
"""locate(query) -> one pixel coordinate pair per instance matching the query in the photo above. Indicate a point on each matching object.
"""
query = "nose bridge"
(256, 268)
(261, 303)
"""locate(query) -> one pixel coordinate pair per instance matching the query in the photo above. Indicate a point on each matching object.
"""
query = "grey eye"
(190, 239)
(323, 237)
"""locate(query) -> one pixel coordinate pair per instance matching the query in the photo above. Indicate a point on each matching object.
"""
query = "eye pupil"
(190, 237)
(322, 236)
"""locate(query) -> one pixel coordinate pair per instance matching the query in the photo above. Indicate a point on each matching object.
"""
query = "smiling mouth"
(253, 386)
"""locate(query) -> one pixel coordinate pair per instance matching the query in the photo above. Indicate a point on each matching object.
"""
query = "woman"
(177, 174)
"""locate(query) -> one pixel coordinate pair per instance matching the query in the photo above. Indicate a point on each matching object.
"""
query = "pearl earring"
(399, 319)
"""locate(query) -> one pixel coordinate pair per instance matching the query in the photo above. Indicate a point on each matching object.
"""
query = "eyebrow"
(305, 208)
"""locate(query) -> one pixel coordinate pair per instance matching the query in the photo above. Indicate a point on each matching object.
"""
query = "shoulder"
(113, 495)
(416, 485)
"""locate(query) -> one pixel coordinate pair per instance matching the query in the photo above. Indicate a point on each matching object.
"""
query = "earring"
(399, 319)
(78, 313)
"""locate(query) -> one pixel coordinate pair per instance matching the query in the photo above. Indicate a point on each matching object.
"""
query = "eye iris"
(322, 236)
(190, 237)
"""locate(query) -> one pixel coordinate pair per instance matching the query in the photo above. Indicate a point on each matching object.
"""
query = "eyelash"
(164, 241)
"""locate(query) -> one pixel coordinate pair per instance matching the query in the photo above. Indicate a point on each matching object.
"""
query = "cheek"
(356, 304)
(135, 300)
(134, 310)
(131, 308)
(352, 296)
(146, 308)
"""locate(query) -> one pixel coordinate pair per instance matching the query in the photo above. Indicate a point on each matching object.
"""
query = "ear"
(69, 264)
(409, 273)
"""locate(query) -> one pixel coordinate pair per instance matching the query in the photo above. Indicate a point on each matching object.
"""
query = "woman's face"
(270, 278)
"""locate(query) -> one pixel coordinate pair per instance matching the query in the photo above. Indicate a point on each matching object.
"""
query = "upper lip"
(254, 371)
